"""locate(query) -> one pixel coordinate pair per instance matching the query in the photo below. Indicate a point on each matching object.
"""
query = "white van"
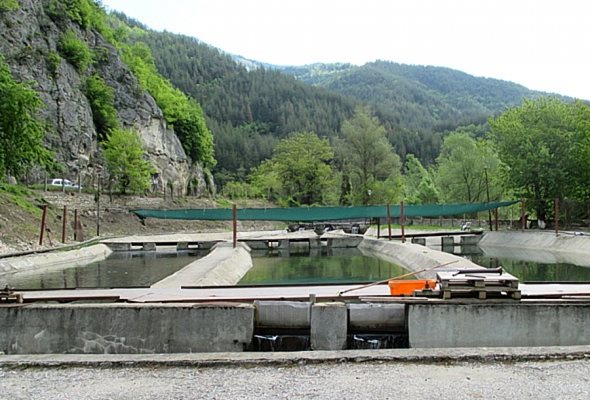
(62, 182)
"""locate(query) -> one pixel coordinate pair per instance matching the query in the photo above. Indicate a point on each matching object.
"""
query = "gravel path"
(556, 379)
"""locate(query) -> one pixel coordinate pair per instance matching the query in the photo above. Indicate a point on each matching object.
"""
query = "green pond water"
(133, 269)
(331, 266)
(141, 269)
(531, 271)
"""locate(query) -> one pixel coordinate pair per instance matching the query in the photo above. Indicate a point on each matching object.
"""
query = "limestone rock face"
(28, 39)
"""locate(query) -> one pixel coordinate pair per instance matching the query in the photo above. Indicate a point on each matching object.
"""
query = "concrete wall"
(57, 259)
(224, 266)
(125, 328)
(413, 257)
(538, 246)
(498, 325)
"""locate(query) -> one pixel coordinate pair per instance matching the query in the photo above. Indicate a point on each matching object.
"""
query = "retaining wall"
(57, 259)
(498, 325)
(224, 266)
(125, 328)
(413, 257)
(544, 247)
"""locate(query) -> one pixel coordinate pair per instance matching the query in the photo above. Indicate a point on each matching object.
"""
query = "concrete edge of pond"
(251, 359)
(413, 257)
(223, 266)
(538, 246)
(36, 262)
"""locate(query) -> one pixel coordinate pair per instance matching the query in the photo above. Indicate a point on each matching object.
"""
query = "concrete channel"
(327, 323)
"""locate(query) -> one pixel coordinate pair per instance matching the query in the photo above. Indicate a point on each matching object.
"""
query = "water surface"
(318, 267)
(120, 269)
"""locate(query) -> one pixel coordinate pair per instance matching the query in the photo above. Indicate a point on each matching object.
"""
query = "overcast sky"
(541, 44)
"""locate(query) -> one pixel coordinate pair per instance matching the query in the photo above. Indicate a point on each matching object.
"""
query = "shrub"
(101, 99)
(75, 51)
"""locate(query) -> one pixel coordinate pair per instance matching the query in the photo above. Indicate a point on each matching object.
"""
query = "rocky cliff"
(29, 40)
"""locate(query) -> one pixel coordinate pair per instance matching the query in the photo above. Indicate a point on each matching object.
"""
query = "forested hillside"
(250, 106)
(248, 111)
(417, 98)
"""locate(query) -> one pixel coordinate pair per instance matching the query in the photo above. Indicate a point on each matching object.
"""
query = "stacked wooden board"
(480, 284)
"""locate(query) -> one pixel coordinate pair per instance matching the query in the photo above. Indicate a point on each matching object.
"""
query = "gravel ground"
(558, 379)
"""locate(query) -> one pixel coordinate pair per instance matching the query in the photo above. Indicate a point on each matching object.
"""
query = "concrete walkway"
(447, 355)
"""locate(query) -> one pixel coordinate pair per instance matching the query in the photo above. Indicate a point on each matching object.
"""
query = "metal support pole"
(378, 227)
(389, 221)
(522, 215)
(402, 220)
(63, 224)
(488, 196)
(235, 225)
(42, 225)
(75, 224)
(556, 217)
(98, 207)
(496, 215)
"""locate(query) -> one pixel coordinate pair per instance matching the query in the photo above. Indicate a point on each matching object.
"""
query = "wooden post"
(42, 225)
(235, 225)
(556, 216)
(402, 220)
(496, 216)
(63, 224)
(389, 221)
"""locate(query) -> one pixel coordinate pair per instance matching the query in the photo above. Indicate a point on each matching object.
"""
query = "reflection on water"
(316, 267)
(527, 271)
(120, 269)
(527, 265)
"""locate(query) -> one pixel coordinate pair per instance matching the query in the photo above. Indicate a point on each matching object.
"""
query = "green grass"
(21, 196)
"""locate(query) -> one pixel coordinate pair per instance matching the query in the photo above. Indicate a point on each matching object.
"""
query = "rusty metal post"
(378, 227)
(63, 224)
(402, 220)
(98, 206)
(389, 221)
(496, 216)
(75, 224)
(235, 225)
(42, 225)
(522, 214)
(556, 216)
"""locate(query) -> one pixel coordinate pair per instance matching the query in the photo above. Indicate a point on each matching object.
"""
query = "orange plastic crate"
(406, 287)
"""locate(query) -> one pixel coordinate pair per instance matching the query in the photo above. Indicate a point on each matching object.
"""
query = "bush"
(101, 99)
(8, 5)
(53, 62)
(75, 51)
(124, 156)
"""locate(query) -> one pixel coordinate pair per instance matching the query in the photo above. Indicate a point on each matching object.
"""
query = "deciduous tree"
(125, 161)
(21, 133)
(370, 159)
(545, 145)
(302, 164)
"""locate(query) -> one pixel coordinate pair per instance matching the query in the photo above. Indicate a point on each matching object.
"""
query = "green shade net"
(311, 214)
